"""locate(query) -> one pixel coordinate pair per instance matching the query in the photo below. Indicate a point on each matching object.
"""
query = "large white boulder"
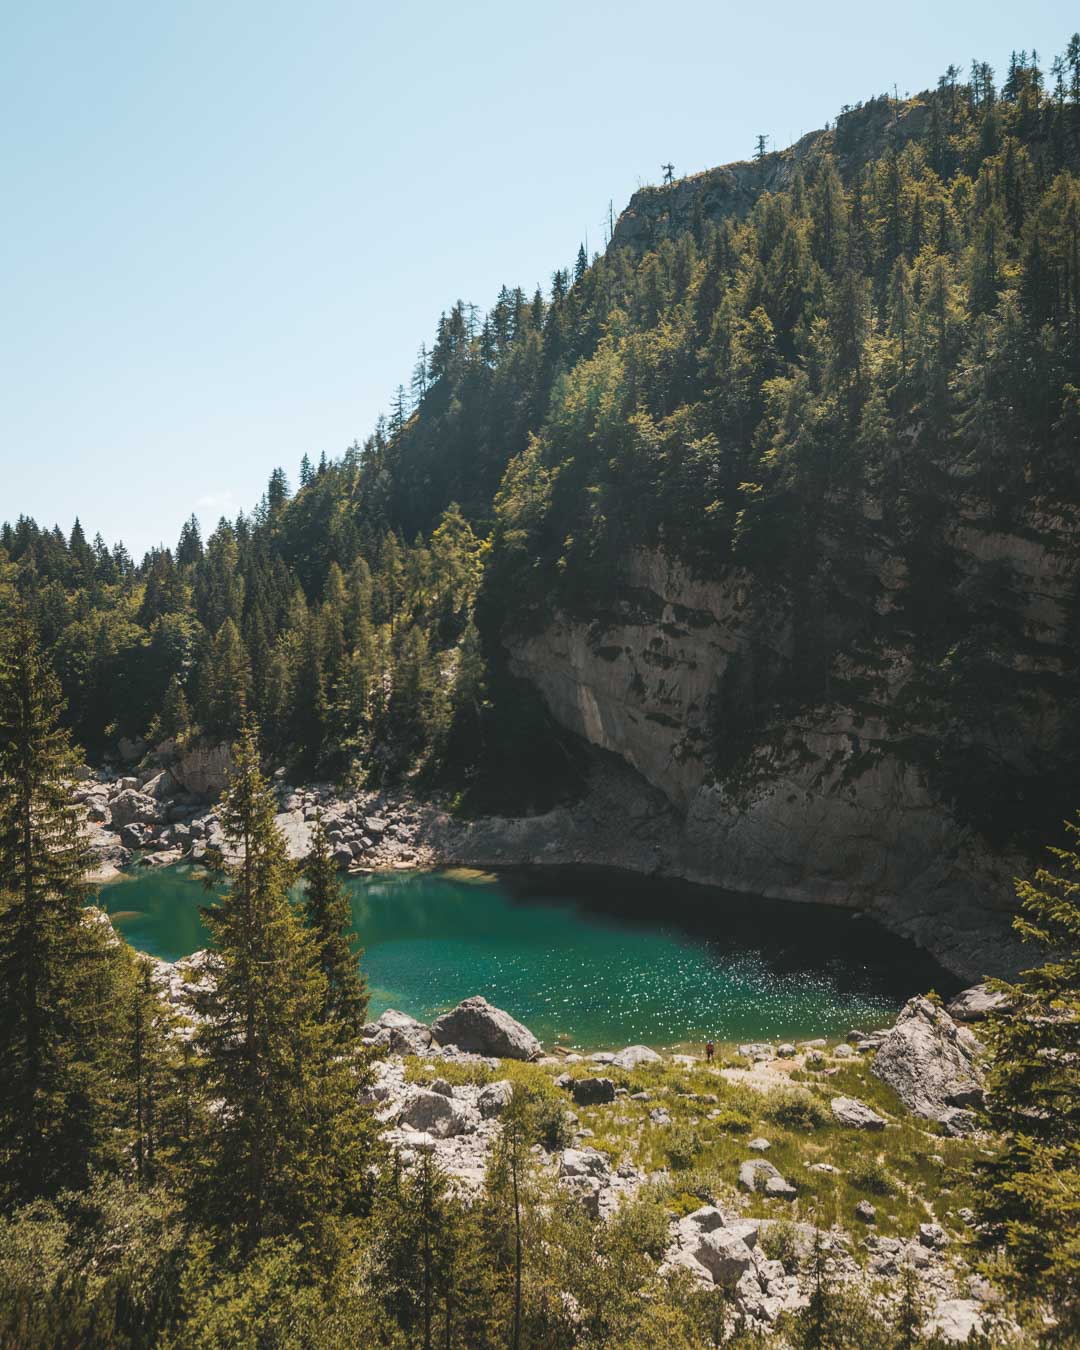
(929, 1061)
(481, 1029)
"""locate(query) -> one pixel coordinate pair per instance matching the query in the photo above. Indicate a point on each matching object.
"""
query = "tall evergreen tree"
(1029, 1191)
(285, 1156)
(326, 906)
(58, 971)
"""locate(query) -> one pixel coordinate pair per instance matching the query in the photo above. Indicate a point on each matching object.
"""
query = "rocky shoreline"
(162, 813)
(441, 1090)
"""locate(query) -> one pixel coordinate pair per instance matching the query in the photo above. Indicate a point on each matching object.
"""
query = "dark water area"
(591, 959)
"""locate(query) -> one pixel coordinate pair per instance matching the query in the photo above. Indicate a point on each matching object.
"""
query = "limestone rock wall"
(829, 808)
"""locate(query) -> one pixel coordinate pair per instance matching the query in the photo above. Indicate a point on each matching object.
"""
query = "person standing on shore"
(710, 1050)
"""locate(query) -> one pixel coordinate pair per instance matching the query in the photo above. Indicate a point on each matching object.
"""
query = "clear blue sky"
(227, 227)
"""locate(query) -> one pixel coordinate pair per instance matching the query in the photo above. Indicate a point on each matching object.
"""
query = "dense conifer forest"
(788, 386)
(798, 387)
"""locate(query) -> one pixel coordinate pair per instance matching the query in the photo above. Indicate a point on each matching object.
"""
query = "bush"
(868, 1174)
(549, 1123)
(796, 1110)
(733, 1119)
(682, 1145)
(779, 1241)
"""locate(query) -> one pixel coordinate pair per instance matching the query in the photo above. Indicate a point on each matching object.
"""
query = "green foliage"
(285, 1156)
(797, 1110)
(60, 975)
(870, 1174)
(326, 908)
(1029, 1190)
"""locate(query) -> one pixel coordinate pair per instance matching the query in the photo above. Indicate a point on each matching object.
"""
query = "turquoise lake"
(590, 959)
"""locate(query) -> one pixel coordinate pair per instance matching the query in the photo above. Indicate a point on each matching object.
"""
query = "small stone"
(866, 1212)
(759, 1145)
(759, 1175)
(659, 1116)
(843, 1052)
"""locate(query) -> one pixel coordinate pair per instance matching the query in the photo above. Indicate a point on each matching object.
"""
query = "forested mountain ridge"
(776, 499)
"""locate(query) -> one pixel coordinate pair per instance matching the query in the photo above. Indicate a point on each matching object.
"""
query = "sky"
(227, 227)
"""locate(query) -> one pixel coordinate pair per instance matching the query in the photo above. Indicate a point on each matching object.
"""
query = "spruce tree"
(1029, 1191)
(57, 969)
(285, 1155)
(326, 906)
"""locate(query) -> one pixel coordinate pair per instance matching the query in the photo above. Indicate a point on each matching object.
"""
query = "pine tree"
(158, 1108)
(58, 971)
(285, 1156)
(326, 906)
(1029, 1192)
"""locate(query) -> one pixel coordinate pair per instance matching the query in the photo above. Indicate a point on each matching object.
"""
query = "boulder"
(343, 856)
(593, 1091)
(634, 1055)
(933, 1235)
(706, 1219)
(98, 811)
(725, 1256)
(133, 835)
(955, 1319)
(375, 828)
(976, 1003)
(757, 1175)
(583, 1162)
(786, 1050)
(958, 1121)
(759, 1145)
(756, 1050)
(866, 1212)
(131, 807)
(494, 1098)
(399, 1033)
(475, 1026)
(204, 769)
(434, 1114)
(160, 785)
(848, 1111)
(929, 1061)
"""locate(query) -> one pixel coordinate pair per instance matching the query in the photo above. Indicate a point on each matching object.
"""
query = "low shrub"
(795, 1110)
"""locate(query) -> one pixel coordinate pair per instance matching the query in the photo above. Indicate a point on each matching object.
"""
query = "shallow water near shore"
(589, 959)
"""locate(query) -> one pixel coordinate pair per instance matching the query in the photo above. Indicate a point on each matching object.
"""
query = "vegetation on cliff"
(851, 377)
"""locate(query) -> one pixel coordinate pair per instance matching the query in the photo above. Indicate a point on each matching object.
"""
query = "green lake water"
(591, 959)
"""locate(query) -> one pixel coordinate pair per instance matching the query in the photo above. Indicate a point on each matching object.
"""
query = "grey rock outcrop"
(848, 1111)
(929, 1061)
(829, 810)
(592, 1091)
(757, 1175)
(976, 1004)
(634, 1055)
(437, 1115)
(478, 1027)
(725, 1256)
(494, 1098)
(399, 1033)
(204, 769)
(132, 807)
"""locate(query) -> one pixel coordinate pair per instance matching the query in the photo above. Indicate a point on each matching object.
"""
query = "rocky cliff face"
(730, 190)
(826, 808)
